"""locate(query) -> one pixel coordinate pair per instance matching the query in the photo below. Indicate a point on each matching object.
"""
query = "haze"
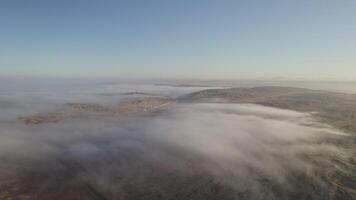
(177, 100)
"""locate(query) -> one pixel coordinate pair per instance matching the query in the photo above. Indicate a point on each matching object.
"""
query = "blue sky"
(179, 39)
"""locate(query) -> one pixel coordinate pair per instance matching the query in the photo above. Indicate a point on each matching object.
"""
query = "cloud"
(245, 150)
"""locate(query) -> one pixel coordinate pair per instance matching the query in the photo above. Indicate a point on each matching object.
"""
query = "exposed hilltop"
(70, 110)
(336, 109)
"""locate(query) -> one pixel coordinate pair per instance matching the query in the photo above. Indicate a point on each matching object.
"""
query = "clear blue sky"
(179, 39)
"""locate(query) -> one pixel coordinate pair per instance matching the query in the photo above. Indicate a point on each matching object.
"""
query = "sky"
(179, 39)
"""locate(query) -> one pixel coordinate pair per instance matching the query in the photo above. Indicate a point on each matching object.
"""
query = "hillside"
(336, 109)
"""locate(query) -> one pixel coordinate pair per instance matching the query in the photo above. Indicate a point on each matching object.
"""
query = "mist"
(188, 151)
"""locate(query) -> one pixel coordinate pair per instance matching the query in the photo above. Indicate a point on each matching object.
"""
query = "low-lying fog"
(188, 151)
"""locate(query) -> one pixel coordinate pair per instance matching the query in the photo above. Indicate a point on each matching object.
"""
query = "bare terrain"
(337, 109)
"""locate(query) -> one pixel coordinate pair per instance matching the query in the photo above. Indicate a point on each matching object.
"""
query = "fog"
(188, 151)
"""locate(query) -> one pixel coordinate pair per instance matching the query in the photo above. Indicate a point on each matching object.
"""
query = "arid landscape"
(167, 142)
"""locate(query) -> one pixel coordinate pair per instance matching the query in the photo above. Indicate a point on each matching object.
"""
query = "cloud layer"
(190, 151)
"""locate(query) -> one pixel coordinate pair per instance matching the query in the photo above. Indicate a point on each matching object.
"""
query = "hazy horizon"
(177, 100)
